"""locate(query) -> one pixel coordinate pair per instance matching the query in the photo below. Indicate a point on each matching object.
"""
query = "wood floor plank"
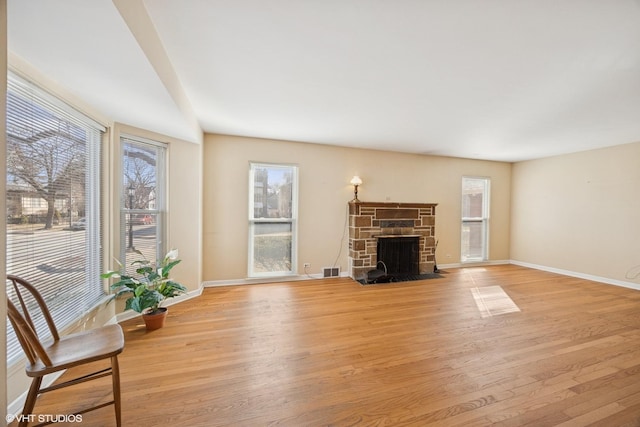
(334, 352)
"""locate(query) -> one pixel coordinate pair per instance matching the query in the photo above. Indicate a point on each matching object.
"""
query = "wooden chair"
(63, 352)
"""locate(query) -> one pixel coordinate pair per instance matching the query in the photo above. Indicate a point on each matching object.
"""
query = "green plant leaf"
(150, 287)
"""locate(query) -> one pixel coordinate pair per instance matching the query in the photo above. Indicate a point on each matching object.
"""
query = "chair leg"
(115, 376)
(31, 401)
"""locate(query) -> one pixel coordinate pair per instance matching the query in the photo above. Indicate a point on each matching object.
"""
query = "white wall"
(579, 212)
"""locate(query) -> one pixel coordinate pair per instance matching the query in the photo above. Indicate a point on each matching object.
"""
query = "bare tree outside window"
(143, 183)
(48, 159)
(140, 174)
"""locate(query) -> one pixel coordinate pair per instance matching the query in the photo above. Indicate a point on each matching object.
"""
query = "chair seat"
(82, 347)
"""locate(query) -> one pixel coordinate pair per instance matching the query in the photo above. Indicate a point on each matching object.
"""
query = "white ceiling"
(493, 79)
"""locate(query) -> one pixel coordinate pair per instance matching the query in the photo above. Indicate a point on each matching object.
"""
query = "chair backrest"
(31, 305)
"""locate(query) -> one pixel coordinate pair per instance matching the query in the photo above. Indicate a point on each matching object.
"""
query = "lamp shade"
(356, 180)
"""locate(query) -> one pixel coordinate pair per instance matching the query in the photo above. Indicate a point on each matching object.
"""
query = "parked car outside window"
(141, 219)
(80, 224)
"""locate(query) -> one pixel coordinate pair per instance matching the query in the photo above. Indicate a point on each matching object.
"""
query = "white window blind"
(53, 203)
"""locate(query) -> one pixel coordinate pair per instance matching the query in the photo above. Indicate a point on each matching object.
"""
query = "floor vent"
(331, 272)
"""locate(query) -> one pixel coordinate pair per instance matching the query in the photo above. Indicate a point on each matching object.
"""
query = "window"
(272, 219)
(143, 199)
(53, 203)
(475, 219)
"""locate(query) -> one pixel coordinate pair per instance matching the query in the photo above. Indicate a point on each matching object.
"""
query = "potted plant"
(149, 289)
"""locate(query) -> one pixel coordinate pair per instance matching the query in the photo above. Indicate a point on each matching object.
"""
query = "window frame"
(253, 221)
(483, 220)
(161, 198)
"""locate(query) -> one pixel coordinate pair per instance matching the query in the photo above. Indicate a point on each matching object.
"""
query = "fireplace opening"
(400, 255)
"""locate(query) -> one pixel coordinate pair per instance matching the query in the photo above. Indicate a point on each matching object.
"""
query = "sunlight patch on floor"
(493, 301)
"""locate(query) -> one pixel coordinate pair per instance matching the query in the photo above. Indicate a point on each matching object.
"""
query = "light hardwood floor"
(334, 352)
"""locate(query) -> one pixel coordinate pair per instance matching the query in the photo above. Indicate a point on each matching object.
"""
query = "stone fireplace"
(371, 221)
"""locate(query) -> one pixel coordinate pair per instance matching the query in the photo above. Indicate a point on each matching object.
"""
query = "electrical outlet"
(306, 265)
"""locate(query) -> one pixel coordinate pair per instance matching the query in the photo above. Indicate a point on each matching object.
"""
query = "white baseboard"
(569, 273)
(253, 281)
(15, 408)
(473, 264)
(258, 280)
(130, 314)
(591, 277)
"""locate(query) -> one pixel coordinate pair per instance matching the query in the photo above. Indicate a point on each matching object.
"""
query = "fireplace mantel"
(369, 221)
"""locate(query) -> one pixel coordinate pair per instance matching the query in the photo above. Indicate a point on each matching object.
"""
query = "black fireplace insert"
(400, 255)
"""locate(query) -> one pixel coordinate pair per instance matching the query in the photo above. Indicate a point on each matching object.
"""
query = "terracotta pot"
(155, 320)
